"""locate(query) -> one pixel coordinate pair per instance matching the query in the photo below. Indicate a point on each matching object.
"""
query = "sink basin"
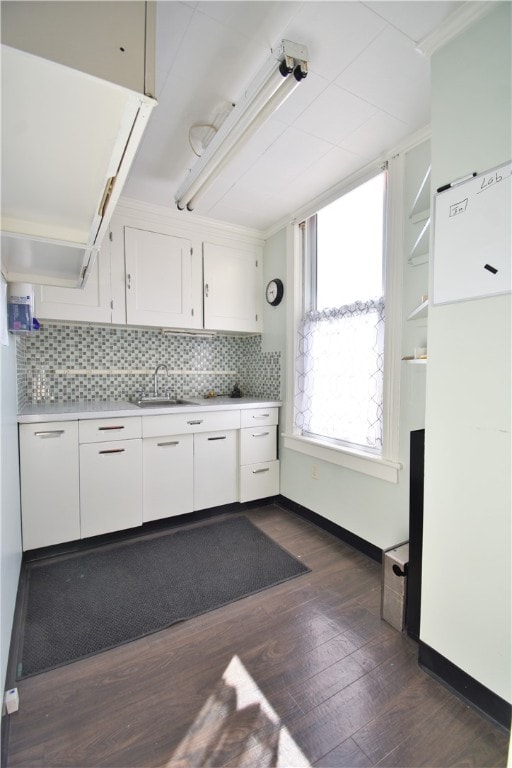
(150, 401)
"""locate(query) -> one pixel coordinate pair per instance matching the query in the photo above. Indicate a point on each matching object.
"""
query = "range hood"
(68, 141)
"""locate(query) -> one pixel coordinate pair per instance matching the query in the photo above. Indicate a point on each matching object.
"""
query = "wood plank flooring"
(345, 686)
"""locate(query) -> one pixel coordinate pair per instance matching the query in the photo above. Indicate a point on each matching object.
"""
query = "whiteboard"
(472, 243)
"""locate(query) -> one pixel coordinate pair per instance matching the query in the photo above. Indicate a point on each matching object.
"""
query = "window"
(340, 359)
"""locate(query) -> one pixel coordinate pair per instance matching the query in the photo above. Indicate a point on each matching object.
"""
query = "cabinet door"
(232, 288)
(110, 486)
(168, 465)
(49, 483)
(215, 468)
(159, 280)
(90, 303)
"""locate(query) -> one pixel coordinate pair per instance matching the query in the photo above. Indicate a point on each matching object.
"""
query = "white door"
(215, 468)
(49, 483)
(110, 486)
(159, 280)
(232, 288)
(168, 466)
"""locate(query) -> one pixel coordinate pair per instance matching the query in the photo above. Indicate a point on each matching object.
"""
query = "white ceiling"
(367, 89)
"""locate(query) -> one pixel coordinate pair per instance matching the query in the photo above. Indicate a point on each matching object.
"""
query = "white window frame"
(386, 466)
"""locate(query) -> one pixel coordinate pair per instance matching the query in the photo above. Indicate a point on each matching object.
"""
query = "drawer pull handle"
(50, 433)
(260, 434)
(260, 471)
(197, 421)
(113, 450)
(262, 416)
(106, 429)
(218, 438)
(170, 442)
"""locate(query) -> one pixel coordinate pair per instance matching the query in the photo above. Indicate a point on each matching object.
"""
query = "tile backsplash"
(68, 362)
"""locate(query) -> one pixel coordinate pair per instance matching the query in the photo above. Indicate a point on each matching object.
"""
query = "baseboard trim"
(356, 542)
(477, 695)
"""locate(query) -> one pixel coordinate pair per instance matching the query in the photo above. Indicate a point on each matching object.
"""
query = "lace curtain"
(339, 373)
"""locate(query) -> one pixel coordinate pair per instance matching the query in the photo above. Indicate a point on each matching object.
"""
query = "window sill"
(375, 466)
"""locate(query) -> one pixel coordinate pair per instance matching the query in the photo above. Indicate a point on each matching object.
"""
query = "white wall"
(466, 595)
(373, 509)
(10, 540)
(274, 318)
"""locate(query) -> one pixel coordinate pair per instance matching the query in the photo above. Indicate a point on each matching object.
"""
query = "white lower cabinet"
(168, 481)
(93, 476)
(110, 486)
(110, 475)
(49, 483)
(215, 468)
(259, 467)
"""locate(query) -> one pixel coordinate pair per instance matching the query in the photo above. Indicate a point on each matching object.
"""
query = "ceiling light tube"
(264, 96)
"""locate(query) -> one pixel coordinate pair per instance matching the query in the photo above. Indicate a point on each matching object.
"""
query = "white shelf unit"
(420, 214)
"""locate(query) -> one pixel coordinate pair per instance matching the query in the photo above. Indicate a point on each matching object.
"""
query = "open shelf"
(419, 311)
(422, 200)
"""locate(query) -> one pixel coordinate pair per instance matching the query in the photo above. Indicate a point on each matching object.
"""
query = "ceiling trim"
(332, 193)
(454, 24)
(186, 224)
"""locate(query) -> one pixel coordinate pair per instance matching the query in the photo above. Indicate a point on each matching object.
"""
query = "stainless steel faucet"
(159, 367)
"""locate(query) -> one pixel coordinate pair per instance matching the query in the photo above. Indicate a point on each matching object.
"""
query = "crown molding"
(186, 223)
(333, 192)
(454, 24)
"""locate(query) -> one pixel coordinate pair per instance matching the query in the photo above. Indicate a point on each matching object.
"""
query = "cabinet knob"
(50, 433)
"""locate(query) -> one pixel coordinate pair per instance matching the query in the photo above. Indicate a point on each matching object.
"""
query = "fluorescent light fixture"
(287, 67)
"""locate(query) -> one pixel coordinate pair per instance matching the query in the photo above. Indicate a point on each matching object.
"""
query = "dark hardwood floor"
(339, 686)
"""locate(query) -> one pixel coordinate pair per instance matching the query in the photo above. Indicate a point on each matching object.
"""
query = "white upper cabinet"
(153, 272)
(119, 32)
(68, 141)
(232, 287)
(159, 269)
(90, 304)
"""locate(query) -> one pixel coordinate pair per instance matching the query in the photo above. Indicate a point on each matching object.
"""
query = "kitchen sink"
(150, 401)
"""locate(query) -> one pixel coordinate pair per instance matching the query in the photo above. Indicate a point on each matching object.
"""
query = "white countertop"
(40, 413)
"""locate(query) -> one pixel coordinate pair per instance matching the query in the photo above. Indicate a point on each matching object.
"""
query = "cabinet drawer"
(187, 423)
(257, 444)
(257, 481)
(102, 430)
(258, 416)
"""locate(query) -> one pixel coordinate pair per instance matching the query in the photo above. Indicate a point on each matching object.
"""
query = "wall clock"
(274, 292)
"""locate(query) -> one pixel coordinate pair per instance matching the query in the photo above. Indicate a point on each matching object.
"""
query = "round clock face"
(274, 292)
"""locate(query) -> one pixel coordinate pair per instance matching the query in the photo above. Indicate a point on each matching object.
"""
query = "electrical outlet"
(314, 471)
